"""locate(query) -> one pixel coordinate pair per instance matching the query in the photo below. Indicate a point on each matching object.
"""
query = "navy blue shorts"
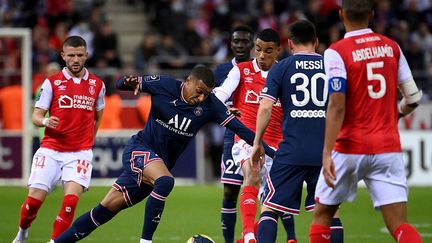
(230, 172)
(283, 191)
(135, 159)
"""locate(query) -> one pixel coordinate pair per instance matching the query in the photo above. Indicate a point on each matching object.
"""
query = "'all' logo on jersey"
(183, 125)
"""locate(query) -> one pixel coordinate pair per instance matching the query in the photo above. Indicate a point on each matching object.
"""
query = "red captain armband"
(337, 85)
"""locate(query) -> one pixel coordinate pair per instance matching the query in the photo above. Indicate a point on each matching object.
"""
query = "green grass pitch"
(196, 209)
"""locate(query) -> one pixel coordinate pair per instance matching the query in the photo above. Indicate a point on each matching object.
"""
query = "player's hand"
(257, 157)
(234, 111)
(52, 122)
(133, 82)
(329, 171)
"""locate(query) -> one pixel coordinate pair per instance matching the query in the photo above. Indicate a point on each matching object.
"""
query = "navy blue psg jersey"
(173, 123)
(299, 82)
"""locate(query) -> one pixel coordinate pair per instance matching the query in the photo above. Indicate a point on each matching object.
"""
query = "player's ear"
(316, 44)
(341, 17)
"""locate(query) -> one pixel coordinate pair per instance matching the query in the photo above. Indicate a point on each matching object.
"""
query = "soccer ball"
(200, 238)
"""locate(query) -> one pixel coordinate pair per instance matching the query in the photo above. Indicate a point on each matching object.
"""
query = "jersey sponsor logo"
(308, 114)
(177, 125)
(246, 71)
(65, 101)
(251, 97)
(78, 101)
(198, 111)
(336, 84)
(183, 125)
(82, 167)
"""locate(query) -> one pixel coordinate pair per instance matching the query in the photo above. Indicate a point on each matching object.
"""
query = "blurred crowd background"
(171, 36)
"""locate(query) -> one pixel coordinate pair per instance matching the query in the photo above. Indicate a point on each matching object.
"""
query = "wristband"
(44, 122)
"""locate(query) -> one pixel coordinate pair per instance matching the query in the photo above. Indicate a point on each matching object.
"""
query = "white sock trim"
(145, 241)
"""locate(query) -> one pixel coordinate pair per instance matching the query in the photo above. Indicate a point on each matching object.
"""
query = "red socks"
(248, 208)
(29, 211)
(319, 234)
(66, 215)
(405, 233)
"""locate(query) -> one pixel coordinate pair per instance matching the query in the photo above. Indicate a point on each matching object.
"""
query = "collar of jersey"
(358, 32)
(181, 93)
(257, 68)
(76, 80)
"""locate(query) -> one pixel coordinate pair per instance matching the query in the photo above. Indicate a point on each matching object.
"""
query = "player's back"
(300, 84)
(370, 123)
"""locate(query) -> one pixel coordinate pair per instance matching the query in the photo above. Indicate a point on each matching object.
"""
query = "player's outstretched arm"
(130, 83)
(263, 118)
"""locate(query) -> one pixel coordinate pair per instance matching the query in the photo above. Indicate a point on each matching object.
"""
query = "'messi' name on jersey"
(372, 52)
(78, 101)
(308, 65)
(177, 125)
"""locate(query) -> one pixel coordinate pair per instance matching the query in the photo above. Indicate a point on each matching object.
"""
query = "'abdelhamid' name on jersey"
(371, 52)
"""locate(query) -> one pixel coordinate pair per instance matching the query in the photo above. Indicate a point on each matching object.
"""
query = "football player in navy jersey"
(299, 82)
(179, 110)
(241, 45)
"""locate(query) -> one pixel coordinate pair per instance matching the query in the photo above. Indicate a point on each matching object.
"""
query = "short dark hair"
(243, 28)
(302, 32)
(269, 35)
(75, 41)
(357, 10)
(205, 74)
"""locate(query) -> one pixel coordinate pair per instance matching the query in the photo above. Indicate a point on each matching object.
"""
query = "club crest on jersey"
(92, 81)
(92, 90)
(336, 84)
(246, 71)
(198, 111)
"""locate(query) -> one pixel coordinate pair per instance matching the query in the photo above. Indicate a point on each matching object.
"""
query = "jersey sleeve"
(404, 71)
(43, 100)
(335, 71)
(272, 86)
(100, 102)
(148, 84)
(226, 119)
(224, 92)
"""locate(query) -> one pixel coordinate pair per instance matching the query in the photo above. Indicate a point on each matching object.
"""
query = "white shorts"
(383, 174)
(241, 152)
(49, 167)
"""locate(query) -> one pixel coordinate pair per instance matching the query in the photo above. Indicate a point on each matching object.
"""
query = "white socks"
(249, 236)
(145, 241)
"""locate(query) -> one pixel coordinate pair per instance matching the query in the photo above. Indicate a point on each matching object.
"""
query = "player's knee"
(164, 185)
(231, 192)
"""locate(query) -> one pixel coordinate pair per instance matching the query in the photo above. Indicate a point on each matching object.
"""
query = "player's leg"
(229, 211)
(97, 216)
(311, 180)
(163, 182)
(232, 179)
(76, 174)
(289, 226)
(320, 229)
(45, 173)
(248, 201)
(387, 185)
(395, 218)
(267, 225)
